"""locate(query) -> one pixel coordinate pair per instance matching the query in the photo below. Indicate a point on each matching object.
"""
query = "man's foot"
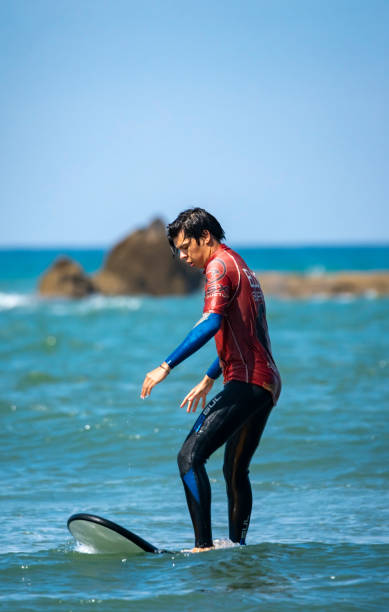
(198, 550)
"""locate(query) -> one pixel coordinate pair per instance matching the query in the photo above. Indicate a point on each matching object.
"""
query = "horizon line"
(272, 245)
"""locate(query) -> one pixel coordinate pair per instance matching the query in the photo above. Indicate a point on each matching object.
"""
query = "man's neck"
(213, 247)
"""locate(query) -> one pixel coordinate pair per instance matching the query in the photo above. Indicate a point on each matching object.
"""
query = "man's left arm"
(214, 369)
(201, 390)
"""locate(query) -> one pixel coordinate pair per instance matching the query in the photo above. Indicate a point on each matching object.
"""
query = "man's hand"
(199, 392)
(153, 378)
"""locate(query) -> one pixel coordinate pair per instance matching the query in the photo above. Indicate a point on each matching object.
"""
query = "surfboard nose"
(100, 535)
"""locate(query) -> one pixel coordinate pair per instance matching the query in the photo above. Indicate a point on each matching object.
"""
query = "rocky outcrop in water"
(142, 263)
(66, 278)
(328, 285)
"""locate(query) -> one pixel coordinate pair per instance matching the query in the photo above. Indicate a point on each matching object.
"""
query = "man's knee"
(184, 460)
(189, 457)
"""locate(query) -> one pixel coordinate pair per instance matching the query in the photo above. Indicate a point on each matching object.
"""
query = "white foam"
(217, 545)
(345, 298)
(102, 302)
(96, 303)
(14, 300)
(316, 271)
(225, 543)
(65, 306)
(371, 294)
(84, 549)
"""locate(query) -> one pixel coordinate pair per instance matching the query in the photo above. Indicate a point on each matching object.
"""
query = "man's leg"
(238, 453)
(221, 418)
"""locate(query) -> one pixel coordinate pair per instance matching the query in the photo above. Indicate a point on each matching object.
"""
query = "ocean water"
(75, 437)
(20, 268)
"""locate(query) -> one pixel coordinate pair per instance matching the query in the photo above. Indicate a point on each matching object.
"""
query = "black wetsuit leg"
(238, 454)
(237, 415)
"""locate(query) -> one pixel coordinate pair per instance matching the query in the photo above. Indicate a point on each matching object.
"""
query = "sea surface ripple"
(77, 437)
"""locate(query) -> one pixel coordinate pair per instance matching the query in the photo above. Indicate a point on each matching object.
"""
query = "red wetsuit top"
(243, 344)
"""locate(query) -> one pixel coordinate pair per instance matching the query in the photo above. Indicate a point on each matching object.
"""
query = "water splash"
(85, 549)
(217, 545)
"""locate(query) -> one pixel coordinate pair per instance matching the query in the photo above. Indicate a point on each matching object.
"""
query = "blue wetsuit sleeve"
(203, 331)
(214, 370)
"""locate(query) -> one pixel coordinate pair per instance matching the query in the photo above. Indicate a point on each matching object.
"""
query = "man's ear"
(206, 236)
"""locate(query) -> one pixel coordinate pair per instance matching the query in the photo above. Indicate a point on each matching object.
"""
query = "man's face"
(190, 251)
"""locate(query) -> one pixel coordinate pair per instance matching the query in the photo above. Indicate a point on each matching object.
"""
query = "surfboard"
(99, 535)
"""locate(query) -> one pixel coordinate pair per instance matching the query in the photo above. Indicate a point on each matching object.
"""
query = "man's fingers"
(196, 403)
(145, 393)
(193, 398)
(148, 384)
(188, 397)
(184, 400)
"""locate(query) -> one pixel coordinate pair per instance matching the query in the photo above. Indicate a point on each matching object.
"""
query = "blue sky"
(273, 115)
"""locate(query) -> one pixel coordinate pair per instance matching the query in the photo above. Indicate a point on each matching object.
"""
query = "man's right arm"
(203, 331)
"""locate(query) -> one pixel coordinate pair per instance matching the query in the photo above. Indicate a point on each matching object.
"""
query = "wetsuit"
(234, 311)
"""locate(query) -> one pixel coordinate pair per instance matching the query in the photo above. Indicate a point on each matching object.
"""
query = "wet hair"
(194, 222)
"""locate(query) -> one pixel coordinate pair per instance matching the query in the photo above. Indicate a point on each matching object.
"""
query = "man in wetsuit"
(234, 312)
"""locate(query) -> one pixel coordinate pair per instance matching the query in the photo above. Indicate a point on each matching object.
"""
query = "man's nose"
(183, 255)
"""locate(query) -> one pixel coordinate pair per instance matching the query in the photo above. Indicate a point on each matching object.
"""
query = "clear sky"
(271, 114)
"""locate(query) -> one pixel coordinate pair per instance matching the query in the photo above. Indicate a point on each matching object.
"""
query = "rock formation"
(65, 278)
(143, 263)
(328, 285)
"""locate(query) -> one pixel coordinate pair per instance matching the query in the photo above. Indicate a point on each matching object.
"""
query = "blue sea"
(76, 437)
